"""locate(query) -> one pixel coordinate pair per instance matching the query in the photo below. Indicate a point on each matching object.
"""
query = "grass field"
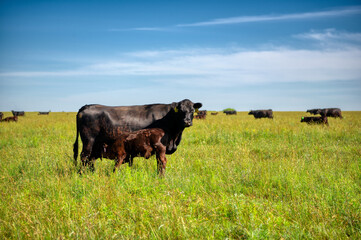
(232, 177)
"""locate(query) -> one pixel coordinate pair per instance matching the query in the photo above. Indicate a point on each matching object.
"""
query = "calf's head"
(184, 111)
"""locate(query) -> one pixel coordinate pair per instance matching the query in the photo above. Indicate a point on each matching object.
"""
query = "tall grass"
(232, 177)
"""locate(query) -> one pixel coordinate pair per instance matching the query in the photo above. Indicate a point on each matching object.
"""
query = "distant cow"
(328, 112)
(44, 113)
(1, 116)
(214, 113)
(141, 143)
(10, 119)
(314, 111)
(315, 120)
(18, 113)
(331, 112)
(230, 112)
(261, 113)
(201, 114)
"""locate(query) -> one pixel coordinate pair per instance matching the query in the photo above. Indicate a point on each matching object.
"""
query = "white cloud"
(139, 29)
(224, 68)
(283, 17)
(260, 18)
(331, 35)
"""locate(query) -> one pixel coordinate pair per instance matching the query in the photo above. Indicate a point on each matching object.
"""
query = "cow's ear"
(175, 107)
(197, 105)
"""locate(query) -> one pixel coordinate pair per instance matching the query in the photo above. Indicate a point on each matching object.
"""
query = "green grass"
(232, 177)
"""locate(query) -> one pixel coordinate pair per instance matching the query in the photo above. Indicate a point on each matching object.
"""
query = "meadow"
(232, 177)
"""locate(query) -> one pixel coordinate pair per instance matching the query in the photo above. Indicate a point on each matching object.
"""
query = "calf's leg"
(119, 161)
(161, 159)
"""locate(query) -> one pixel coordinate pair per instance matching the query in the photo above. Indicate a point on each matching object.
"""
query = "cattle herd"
(15, 116)
(124, 132)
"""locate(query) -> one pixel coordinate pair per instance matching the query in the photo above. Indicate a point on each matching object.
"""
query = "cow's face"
(185, 111)
(250, 113)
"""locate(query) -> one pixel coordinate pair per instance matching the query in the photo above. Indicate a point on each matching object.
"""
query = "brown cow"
(315, 120)
(141, 143)
(201, 114)
(10, 119)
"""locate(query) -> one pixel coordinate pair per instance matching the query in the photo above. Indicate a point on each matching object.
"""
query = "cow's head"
(184, 111)
(251, 112)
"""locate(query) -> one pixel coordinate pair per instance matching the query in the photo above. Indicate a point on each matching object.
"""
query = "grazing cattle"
(44, 113)
(315, 120)
(1, 116)
(201, 114)
(230, 112)
(261, 113)
(141, 143)
(96, 122)
(18, 113)
(314, 111)
(214, 113)
(331, 112)
(328, 112)
(10, 119)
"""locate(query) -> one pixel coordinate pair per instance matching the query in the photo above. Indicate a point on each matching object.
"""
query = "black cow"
(261, 113)
(43, 113)
(1, 115)
(230, 112)
(331, 112)
(201, 114)
(96, 122)
(315, 120)
(314, 111)
(18, 113)
(328, 112)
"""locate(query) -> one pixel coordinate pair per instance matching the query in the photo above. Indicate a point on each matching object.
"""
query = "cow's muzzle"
(188, 123)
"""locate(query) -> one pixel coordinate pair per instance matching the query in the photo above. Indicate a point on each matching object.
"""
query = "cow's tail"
(75, 146)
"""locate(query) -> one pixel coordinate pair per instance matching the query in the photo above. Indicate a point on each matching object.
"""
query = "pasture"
(232, 177)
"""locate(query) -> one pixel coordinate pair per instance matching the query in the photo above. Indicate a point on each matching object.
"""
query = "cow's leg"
(161, 159)
(91, 164)
(119, 160)
(147, 152)
(85, 154)
(130, 160)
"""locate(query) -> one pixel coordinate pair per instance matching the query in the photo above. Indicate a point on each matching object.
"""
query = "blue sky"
(285, 55)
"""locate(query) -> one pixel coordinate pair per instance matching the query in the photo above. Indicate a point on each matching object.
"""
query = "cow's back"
(100, 118)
